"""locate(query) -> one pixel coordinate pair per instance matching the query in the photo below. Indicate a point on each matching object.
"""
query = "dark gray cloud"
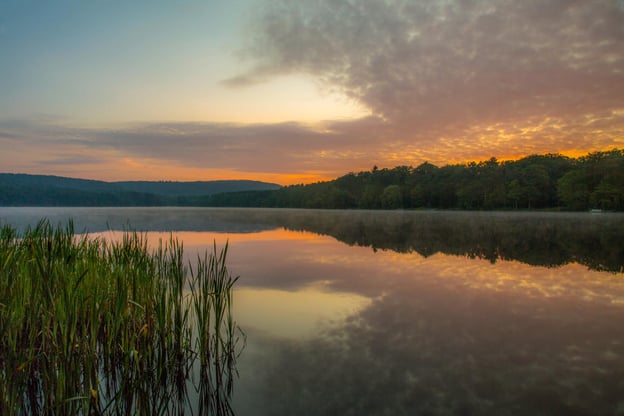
(281, 148)
(79, 159)
(438, 65)
(285, 148)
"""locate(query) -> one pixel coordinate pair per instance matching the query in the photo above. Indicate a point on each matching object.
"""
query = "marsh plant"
(91, 326)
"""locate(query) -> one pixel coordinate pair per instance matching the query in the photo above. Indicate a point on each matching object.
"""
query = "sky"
(297, 91)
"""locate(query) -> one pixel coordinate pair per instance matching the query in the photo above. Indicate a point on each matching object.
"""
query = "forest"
(549, 181)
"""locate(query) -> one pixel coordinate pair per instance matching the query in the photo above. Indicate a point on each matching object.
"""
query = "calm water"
(397, 313)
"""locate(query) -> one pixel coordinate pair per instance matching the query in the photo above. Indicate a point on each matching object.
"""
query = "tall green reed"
(92, 326)
(217, 337)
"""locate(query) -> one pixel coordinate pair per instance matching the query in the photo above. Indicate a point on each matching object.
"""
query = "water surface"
(410, 312)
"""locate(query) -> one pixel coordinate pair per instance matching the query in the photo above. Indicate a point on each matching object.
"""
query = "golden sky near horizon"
(298, 91)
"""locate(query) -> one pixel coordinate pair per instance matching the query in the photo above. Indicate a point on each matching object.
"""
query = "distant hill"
(46, 190)
(198, 188)
(22, 179)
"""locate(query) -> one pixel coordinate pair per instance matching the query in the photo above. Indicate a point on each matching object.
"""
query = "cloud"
(77, 159)
(246, 80)
(445, 81)
(285, 148)
(312, 151)
(436, 66)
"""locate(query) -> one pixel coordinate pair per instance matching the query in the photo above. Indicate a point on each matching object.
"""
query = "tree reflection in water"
(537, 238)
(544, 239)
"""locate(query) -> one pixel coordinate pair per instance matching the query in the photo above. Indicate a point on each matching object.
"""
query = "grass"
(97, 327)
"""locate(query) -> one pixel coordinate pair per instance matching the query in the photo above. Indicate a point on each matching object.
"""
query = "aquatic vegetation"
(111, 327)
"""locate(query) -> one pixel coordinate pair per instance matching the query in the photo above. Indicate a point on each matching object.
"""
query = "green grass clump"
(96, 327)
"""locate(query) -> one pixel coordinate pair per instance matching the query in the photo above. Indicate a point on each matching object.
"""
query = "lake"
(402, 313)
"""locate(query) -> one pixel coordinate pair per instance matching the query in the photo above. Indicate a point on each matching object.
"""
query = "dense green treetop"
(594, 181)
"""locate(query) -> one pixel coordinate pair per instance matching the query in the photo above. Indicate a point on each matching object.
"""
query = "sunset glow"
(299, 92)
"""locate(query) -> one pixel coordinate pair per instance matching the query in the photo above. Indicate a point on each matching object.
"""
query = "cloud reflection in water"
(440, 335)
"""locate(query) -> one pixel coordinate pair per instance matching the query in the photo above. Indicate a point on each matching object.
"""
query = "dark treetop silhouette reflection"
(544, 239)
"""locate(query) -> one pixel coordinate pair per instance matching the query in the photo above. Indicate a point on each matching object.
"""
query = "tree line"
(549, 181)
